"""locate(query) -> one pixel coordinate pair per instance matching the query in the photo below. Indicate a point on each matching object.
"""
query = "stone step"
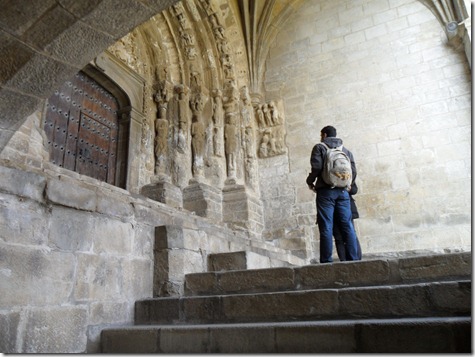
(406, 335)
(240, 260)
(451, 298)
(339, 274)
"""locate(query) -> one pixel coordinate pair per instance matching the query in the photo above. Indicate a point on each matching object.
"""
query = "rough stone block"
(447, 265)
(22, 183)
(28, 217)
(56, 330)
(416, 337)
(9, 323)
(68, 193)
(98, 278)
(184, 340)
(343, 274)
(130, 340)
(25, 272)
(164, 192)
(280, 306)
(227, 261)
(385, 301)
(243, 339)
(203, 309)
(330, 338)
(137, 278)
(77, 235)
(204, 200)
(162, 311)
(201, 284)
(257, 280)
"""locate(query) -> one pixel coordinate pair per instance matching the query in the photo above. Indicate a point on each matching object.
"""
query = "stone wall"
(385, 75)
(75, 255)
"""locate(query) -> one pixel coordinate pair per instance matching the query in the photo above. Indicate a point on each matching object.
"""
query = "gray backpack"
(337, 168)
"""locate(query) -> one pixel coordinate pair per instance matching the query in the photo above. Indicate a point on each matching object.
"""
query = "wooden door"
(82, 127)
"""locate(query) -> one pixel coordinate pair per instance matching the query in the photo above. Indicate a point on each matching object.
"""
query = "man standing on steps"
(331, 199)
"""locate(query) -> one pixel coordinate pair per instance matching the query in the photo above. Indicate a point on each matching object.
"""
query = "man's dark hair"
(329, 130)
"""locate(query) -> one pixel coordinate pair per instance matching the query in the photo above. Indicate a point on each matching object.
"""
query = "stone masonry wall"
(75, 255)
(384, 74)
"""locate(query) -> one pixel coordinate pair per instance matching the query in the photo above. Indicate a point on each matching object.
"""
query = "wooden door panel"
(82, 128)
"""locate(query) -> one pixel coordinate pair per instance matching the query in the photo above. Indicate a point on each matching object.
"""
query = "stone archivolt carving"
(271, 130)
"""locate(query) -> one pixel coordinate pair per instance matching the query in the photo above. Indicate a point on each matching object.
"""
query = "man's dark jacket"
(317, 159)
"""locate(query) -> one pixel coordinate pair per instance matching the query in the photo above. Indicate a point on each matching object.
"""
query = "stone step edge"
(368, 335)
(362, 273)
(416, 300)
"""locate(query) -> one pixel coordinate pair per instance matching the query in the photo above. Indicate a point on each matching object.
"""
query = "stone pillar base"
(204, 200)
(242, 209)
(164, 192)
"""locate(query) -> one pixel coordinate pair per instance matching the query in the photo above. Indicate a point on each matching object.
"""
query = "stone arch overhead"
(40, 47)
(46, 42)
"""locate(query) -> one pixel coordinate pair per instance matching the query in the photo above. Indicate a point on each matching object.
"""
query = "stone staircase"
(417, 305)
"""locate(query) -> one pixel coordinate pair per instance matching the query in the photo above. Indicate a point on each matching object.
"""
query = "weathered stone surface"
(29, 217)
(184, 340)
(385, 301)
(22, 183)
(109, 312)
(72, 230)
(9, 322)
(68, 193)
(280, 306)
(343, 274)
(257, 280)
(136, 279)
(25, 272)
(55, 330)
(97, 278)
(164, 192)
(242, 340)
(201, 284)
(227, 261)
(163, 311)
(412, 269)
(130, 340)
(329, 338)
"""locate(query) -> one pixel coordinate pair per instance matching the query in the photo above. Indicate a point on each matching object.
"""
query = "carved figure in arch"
(260, 116)
(161, 143)
(162, 97)
(180, 15)
(267, 114)
(249, 142)
(247, 112)
(209, 7)
(198, 145)
(273, 142)
(195, 77)
(232, 99)
(218, 141)
(187, 38)
(223, 47)
(263, 148)
(251, 175)
(197, 104)
(217, 104)
(274, 112)
(183, 116)
(219, 32)
(231, 144)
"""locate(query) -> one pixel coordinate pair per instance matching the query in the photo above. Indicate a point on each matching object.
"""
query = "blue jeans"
(330, 203)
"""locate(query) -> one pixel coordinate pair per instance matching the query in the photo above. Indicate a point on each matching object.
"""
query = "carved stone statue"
(198, 145)
(183, 116)
(231, 144)
(260, 116)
